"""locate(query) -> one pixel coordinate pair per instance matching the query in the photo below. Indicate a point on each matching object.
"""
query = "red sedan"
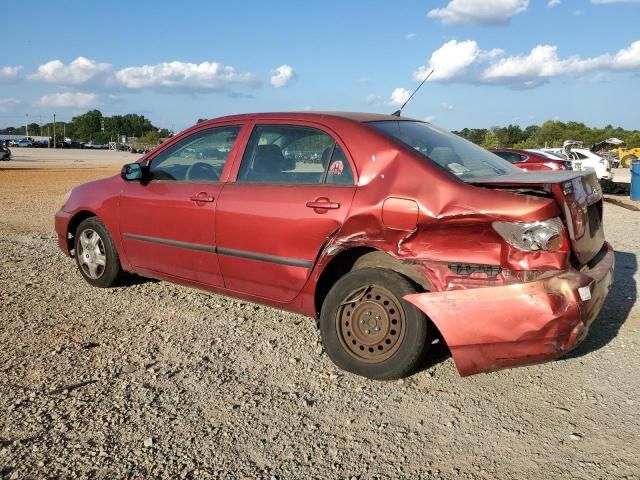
(387, 230)
(532, 160)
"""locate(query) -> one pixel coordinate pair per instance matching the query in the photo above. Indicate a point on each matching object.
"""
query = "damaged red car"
(387, 230)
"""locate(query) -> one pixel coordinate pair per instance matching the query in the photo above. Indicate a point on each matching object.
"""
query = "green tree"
(87, 125)
(490, 140)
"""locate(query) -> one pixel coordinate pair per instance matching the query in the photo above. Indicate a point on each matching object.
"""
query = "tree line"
(551, 134)
(94, 126)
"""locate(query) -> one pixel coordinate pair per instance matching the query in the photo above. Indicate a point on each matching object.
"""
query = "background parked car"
(71, 144)
(584, 159)
(528, 160)
(5, 153)
(24, 143)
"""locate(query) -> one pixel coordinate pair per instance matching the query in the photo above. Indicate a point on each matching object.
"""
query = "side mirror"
(131, 172)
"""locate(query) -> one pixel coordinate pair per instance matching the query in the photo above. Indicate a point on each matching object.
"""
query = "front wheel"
(96, 255)
(368, 329)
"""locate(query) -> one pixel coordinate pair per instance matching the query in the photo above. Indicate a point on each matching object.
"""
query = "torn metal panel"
(492, 328)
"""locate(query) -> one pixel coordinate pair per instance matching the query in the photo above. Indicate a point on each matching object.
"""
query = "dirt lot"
(157, 380)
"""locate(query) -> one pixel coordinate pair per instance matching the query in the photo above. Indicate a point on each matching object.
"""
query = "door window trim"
(250, 128)
(229, 163)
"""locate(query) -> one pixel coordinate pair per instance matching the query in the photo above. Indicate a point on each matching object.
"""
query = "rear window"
(446, 150)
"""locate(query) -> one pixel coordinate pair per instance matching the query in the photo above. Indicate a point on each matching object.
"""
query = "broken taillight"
(532, 236)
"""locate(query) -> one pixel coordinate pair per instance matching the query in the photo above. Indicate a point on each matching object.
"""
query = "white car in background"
(583, 159)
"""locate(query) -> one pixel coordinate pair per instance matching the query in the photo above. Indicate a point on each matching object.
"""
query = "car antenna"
(398, 112)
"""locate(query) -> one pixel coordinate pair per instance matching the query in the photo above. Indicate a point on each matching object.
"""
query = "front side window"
(449, 152)
(293, 155)
(197, 158)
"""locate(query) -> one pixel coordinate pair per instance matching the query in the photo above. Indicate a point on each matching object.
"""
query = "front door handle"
(322, 204)
(202, 197)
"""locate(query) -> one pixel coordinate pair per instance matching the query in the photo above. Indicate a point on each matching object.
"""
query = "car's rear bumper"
(62, 219)
(498, 327)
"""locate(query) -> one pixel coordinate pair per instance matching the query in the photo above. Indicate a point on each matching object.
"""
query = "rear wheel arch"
(358, 258)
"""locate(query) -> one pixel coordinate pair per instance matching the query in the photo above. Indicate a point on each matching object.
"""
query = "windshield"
(448, 151)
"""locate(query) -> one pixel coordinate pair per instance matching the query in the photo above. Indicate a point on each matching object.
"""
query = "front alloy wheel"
(91, 254)
(96, 254)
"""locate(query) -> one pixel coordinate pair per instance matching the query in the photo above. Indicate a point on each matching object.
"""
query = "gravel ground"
(158, 380)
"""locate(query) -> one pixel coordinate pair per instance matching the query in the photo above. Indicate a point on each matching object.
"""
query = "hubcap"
(370, 324)
(91, 254)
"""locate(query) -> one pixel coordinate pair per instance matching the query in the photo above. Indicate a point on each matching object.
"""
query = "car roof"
(311, 116)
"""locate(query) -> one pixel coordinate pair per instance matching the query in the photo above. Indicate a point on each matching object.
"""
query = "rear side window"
(289, 154)
(445, 150)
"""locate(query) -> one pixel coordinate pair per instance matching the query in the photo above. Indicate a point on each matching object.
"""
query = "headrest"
(269, 159)
(443, 156)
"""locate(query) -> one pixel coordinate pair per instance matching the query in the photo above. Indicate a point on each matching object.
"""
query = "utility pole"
(54, 130)
(26, 125)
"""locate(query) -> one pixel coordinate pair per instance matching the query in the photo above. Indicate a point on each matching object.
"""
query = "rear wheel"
(368, 329)
(96, 255)
(628, 160)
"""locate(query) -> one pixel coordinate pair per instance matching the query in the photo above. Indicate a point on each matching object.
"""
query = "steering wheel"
(202, 171)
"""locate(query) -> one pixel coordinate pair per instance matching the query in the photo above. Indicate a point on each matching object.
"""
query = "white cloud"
(281, 76)
(10, 74)
(78, 72)
(429, 118)
(399, 96)
(628, 58)
(372, 99)
(553, 3)
(476, 12)
(68, 100)
(453, 59)
(600, 2)
(8, 104)
(466, 62)
(203, 76)
(447, 106)
(165, 76)
(410, 36)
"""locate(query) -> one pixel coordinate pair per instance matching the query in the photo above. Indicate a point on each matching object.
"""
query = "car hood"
(609, 142)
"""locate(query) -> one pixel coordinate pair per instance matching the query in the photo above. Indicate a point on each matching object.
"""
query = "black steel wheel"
(368, 329)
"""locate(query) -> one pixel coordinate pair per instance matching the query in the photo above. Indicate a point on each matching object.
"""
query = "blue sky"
(496, 61)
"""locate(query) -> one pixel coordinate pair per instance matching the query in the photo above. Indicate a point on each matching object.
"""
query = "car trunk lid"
(579, 197)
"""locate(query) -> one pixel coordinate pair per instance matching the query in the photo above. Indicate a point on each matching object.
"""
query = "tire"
(96, 255)
(389, 336)
(628, 160)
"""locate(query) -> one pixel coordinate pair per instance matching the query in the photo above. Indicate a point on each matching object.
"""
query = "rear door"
(293, 190)
(167, 222)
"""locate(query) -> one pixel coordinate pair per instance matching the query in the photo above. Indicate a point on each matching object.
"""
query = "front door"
(167, 221)
(293, 190)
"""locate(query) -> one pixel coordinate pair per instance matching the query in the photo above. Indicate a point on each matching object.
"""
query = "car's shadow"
(621, 299)
(615, 188)
(132, 279)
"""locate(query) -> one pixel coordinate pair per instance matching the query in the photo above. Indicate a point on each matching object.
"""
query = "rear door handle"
(202, 197)
(323, 204)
